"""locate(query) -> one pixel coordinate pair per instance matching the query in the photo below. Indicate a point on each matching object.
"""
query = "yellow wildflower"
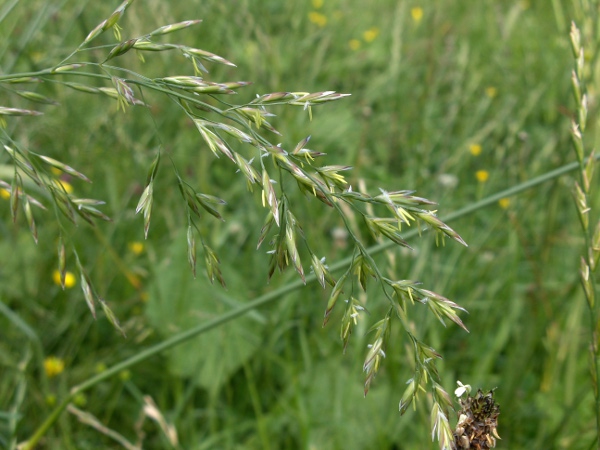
(504, 203)
(136, 247)
(134, 280)
(37, 56)
(491, 91)
(50, 400)
(317, 18)
(482, 175)
(125, 375)
(69, 279)
(80, 400)
(475, 149)
(317, 4)
(354, 44)
(4, 194)
(417, 14)
(53, 366)
(65, 185)
(371, 34)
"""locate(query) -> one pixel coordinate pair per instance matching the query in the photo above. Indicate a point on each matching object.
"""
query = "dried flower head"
(477, 422)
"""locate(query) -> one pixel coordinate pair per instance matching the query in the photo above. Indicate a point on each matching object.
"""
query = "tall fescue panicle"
(237, 132)
(466, 104)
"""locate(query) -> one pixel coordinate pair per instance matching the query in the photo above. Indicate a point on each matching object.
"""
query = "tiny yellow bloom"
(136, 247)
(65, 185)
(491, 91)
(69, 279)
(56, 171)
(317, 4)
(80, 400)
(144, 296)
(50, 400)
(53, 366)
(504, 203)
(134, 280)
(354, 44)
(317, 18)
(417, 14)
(37, 56)
(475, 149)
(371, 34)
(482, 175)
(4, 194)
(125, 375)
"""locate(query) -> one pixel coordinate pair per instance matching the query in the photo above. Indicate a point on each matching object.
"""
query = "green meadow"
(469, 104)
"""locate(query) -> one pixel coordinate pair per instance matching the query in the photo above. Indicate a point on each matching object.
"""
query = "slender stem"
(46, 425)
(596, 360)
(271, 297)
(14, 76)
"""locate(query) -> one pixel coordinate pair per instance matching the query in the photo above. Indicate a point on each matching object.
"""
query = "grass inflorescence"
(202, 128)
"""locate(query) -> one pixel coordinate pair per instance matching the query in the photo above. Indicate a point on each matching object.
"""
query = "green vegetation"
(467, 103)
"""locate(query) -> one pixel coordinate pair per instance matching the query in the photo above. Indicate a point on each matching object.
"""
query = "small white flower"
(462, 389)
(448, 180)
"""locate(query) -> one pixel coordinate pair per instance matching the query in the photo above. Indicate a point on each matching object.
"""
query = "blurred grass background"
(456, 100)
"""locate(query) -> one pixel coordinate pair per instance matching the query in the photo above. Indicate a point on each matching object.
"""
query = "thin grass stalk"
(271, 297)
(596, 362)
(584, 72)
